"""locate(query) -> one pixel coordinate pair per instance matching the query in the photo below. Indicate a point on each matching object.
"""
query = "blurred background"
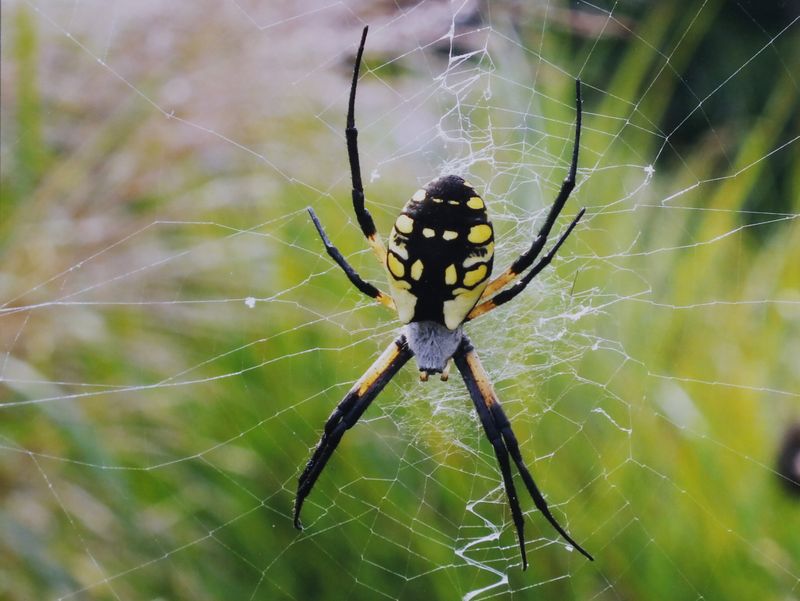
(173, 336)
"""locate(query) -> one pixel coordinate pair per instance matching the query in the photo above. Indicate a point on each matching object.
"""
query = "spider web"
(174, 336)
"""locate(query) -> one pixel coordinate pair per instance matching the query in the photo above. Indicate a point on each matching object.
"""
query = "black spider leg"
(351, 273)
(496, 438)
(513, 447)
(362, 214)
(567, 186)
(347, 413)
(527, 258)
(506, 295)
(498, 430)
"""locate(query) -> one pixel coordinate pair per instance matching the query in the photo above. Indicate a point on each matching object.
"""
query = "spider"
(439, 260)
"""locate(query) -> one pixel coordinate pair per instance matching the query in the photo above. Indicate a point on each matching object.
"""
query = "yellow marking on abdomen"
(416, 270)
(476, 202)
(456, 310)
(404, 299)
(395, 266)
(479, 233)
(404, 224)
(450, 275)
(476, 275)
(484, 258)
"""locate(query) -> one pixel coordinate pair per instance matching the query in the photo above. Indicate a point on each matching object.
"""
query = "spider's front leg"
(498, 430)
(347, 413)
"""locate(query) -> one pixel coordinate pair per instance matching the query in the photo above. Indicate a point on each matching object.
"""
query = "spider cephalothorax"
(439, 261)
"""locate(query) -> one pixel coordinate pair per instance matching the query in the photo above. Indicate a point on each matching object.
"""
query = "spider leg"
(351, 273)
(347, 413)
(498, 430)
(506, 295)
(351, 133)
(512, 445)
(482, 402)
(529, 256)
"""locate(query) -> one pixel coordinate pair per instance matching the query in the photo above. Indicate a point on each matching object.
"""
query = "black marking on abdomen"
(445, 212)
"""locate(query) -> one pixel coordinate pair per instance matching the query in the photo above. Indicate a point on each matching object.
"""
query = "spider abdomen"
(440, 254)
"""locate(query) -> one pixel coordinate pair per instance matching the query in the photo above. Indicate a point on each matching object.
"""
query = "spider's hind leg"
(351, 133)
(351, 273)
(526, 259)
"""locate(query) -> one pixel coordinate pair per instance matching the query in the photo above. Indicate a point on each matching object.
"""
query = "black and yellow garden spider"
(440, 256)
